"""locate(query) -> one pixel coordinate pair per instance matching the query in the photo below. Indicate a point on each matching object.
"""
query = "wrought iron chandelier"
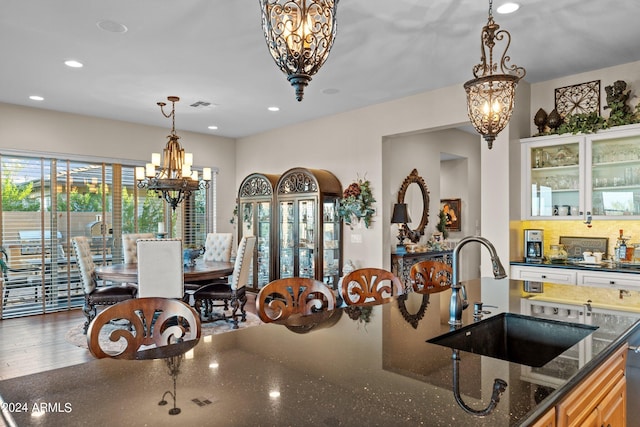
(175, 180)
(490, 97)
(299, 35)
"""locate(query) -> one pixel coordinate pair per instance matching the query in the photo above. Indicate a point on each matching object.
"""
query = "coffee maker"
(533, 246)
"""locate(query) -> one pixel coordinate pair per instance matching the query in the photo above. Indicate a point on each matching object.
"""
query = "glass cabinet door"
(306, 238)
(287, 236)
(555, 179)
(331, 244)
(263, 232)
(614, 181)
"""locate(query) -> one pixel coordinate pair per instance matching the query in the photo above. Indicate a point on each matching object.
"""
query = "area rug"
(76, 336)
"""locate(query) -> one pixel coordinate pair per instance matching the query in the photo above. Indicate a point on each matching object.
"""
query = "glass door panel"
(287, 239)
(615, 176)
(264, 243)
(307, 238)
(555, 179)
(331, 244)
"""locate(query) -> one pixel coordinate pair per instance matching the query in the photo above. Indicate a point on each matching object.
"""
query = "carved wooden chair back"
(151, 321)
(430, 277)
(370, 286)
(282, 298)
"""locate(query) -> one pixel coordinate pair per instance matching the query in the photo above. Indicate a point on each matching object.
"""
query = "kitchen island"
(367, 366)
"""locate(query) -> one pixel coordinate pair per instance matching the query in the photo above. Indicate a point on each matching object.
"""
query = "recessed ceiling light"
(36, 98)
(508, 8)
(112, 26)
(213, 127)
(273, 108)
(73, 63)
(330, 91)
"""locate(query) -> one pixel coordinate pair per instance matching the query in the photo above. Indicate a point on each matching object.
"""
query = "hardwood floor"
(36, 343)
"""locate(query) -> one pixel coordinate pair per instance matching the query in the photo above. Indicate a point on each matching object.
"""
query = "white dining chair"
(160, 271)
(129, 247)
(218, 247)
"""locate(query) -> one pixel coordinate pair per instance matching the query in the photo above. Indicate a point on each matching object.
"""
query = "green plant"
(442, 224)
(582, 123)
(357, 203)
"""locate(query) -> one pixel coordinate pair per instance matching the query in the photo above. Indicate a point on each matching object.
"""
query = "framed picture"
(453, 210)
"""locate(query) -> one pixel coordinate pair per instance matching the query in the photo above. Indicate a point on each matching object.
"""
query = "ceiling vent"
(200, 104)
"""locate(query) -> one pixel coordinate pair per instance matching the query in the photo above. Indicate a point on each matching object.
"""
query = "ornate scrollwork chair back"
(151, 322)
(430, 277)
(370, 286)
(93, 294)
(283, 298)
(233, 292)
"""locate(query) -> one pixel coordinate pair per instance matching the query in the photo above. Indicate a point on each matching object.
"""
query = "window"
(48, 201)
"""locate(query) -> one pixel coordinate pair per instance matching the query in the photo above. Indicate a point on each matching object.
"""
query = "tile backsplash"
(554, 229)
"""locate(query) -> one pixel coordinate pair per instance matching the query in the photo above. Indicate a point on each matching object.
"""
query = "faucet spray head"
(498, 269)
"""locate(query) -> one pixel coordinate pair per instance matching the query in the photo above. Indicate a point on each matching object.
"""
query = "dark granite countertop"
(354, 372)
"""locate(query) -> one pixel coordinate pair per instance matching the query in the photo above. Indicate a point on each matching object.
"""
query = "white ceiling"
(214, 51)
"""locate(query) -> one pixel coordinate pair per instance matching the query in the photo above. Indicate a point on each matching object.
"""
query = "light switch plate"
(356, 238)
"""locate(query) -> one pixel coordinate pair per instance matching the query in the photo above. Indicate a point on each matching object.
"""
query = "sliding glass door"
(46, 202)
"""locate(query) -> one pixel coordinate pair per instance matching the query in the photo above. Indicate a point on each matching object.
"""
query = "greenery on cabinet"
(618, 96)
(357, 203)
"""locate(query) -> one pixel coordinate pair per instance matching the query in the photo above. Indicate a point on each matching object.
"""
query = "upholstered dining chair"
(95, 295)
(160, 271)
(283, 298)
(370, 286)
(232, 293)
(150, 322)
(430, 277)
(130, 248)
(217, 247)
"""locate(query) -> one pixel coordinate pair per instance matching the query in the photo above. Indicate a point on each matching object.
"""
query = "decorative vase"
(190, 256)
(554, 120)
(540, 120)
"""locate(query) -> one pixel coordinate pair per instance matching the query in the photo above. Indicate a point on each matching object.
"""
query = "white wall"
(45, 131)
(351, 145)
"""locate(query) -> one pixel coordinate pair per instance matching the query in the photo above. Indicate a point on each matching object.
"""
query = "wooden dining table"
(203, 271)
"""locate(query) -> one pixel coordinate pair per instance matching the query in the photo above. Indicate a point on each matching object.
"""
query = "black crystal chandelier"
(491, 95)
(175, 180)
(299, 34)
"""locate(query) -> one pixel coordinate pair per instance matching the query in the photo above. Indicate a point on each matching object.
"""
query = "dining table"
(202, 272)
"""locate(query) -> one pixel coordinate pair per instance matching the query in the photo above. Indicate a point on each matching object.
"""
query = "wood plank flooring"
(36, 343)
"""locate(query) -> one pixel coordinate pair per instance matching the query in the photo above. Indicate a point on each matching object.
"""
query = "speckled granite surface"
(354, 373)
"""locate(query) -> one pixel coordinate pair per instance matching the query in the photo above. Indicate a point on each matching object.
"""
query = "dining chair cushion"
(129, 248)
(160, 271)
(84, 259)
(218, 247)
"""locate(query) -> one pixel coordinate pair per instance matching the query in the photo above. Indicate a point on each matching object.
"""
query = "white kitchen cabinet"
(593, 176)
(563, 276)
(603, 279)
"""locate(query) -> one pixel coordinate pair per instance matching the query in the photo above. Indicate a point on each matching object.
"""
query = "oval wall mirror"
(415, 194)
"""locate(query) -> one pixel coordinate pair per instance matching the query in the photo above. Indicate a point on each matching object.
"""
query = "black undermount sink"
(516, 338)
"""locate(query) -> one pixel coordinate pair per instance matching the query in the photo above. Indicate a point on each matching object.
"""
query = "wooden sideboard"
(401, 263)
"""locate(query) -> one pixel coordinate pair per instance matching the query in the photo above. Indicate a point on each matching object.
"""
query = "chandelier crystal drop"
(175, 180)
(491, 95)
(299, 35)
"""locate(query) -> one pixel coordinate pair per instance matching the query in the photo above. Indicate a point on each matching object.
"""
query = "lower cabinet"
(547, 420)
(542, 274)
(600, 399)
